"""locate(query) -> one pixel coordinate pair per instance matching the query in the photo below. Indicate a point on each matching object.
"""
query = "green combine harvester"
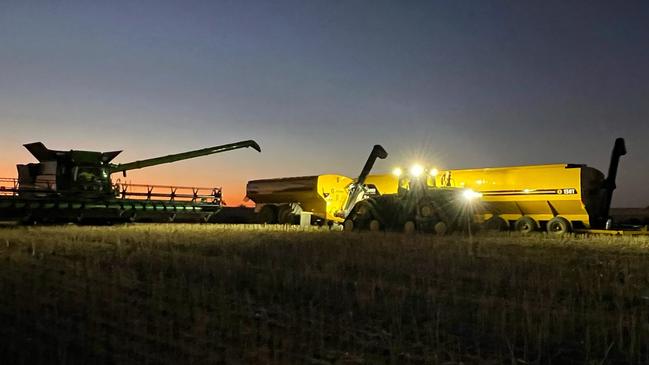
(76, 186)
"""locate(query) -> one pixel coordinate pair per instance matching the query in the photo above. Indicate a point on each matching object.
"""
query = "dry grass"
(250, 294)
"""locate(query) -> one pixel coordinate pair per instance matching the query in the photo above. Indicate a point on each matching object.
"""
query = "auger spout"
(183, 156)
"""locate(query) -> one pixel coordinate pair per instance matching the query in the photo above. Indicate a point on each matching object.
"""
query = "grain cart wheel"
(285, 214)
(496, 224)
(558, 226)
(268, 214)
(525, 224)
(375, 225)
(409, 227)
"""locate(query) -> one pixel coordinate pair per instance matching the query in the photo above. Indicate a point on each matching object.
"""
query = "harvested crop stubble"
(284, 295)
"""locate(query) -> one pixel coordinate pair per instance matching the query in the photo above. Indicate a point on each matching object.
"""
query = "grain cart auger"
(418, 205)
(358, 190)
(76, 186)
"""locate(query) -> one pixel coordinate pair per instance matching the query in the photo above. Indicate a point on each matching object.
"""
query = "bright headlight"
(416, 170)
(434, 172)
(397, 172)
(469, 194)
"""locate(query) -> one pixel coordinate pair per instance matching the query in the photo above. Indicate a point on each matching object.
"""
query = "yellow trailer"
(531, 197)
(321, 198)
(559, 198)
(382, 184)
(282, 200)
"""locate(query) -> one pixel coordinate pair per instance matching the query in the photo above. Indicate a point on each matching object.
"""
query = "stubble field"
(219, 294)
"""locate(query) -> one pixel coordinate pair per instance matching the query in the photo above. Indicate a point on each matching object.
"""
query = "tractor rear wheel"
(375, 225)
(441, 228)
(409, 227)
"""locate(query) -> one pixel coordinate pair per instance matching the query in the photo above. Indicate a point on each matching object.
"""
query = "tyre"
(360, 216)
(496, 224)
(441, 228)
(268, 214)
(409, 227)
(558, 226)
(526, 224)
(348, 226)
(375, 225)
(285, 214)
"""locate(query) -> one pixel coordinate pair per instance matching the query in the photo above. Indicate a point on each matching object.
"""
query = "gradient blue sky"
(317, 83)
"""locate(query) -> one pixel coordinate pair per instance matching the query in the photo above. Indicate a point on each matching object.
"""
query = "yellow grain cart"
(557, 197)
(529, 197)
(283, 200)
(382, 184)
(320, 198)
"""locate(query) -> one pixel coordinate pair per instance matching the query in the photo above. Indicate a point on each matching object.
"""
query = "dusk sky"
(454, 84)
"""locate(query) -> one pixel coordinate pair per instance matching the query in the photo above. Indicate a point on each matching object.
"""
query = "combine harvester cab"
(558, 198)
(76, 186)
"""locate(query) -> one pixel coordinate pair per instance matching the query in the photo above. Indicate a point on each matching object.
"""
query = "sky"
(453, 84)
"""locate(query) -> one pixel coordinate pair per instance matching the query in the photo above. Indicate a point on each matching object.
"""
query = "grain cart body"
(538, 191)
(328, 198)
(280, 200)
(557, 197)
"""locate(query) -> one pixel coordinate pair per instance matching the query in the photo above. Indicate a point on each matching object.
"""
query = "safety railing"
(8, 187)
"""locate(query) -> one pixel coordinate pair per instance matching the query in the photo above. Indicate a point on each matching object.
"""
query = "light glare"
(470, 195)
(416, 170)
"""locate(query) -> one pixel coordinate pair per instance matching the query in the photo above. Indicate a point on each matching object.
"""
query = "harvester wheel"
(268, 214)
(348, 225)
(525, 224)
(441, 228)
(375, 225)
(409, 227)
(496, 223)
(558, 226)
